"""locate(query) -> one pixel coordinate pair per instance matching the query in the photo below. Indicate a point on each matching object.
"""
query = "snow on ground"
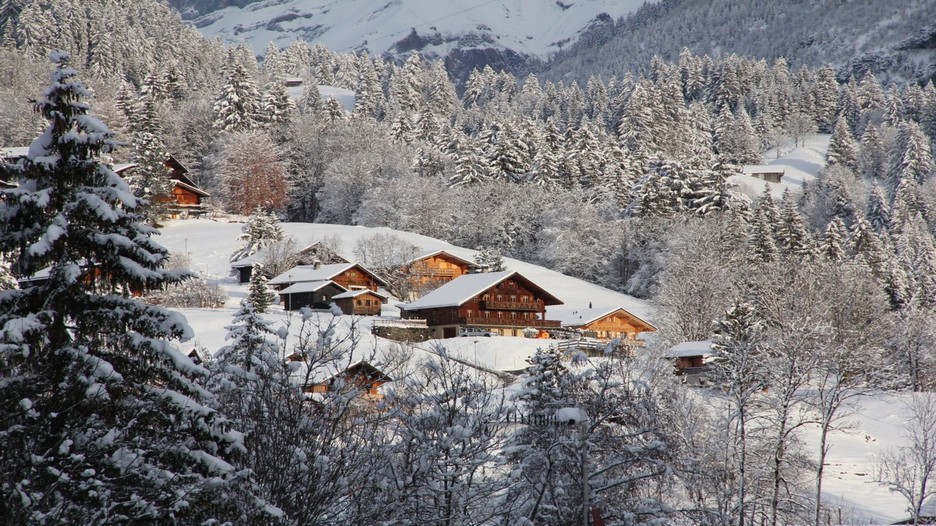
(800, 164)
(209, 244)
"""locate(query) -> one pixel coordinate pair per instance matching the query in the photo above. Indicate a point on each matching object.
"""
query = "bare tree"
(910, 470)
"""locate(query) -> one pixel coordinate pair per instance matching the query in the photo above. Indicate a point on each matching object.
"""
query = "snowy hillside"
(875, 425)
(209, 245)
(527, 27)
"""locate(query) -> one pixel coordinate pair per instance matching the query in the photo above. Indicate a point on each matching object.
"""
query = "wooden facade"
(502, 302)
(361, 376)
(605, 324)
(360, 302)
(430, 271)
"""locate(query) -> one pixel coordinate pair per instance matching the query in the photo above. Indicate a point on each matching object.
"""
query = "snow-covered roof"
(763, 168)
(578, 316)
(463, 288)
(356, 293)
(437, 253)
(686, 349)
(303, 273)
(247, 261)
(308, 286)
(191, 188)
(124, 166)
(14, 152)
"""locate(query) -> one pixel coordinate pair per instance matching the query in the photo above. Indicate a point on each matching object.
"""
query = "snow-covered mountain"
(515, 28)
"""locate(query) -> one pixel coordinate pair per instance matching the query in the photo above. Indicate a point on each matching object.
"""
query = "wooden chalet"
(503, 302)
(689, 360)
(768, 173)
(361, 376)
(350, 276)
(603, 323)
(314, 254)
(430, 271)
(364, 302)
(186, 198)
(312, 294)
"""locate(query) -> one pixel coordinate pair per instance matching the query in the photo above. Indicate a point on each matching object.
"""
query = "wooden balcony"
(510, 305)
(509, 322)
(434, 273)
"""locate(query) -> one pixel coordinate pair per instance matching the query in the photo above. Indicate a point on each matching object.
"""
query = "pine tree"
(237, 108)
(7, 280)
(261, 229)
(103, 421)
(793, 237)
(489, 260)
(879, 214)
(873, 157)
(833, 241)
(842, 149)
(259, 294)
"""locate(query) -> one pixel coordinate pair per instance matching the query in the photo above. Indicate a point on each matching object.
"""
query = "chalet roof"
(247, 261)
(124, 166)
(356, 293)
(579, 316)
(686, 349)
(14, 152)
(463, 288)
(190, 187)
(762, 168)
(439, 253)
(303, 273)
(309, 286)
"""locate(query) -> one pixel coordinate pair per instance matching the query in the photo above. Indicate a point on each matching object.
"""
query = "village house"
(503, 302)
(603, 323)
(360, 375)
(430, 271)
(349, 276)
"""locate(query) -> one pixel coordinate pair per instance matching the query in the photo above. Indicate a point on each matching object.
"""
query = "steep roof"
(579, 316)
(356, 293)
(463, 288)
(439, 253)
(308, 286)
(303, 273)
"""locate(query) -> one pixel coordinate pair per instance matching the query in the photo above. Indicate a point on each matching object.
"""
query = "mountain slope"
(529, 28)
(894, 40)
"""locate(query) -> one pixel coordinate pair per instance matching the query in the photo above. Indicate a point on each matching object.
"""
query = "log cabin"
(768, 173)
(350, 276)
(503, 302)
(604, 323)
(186, 198)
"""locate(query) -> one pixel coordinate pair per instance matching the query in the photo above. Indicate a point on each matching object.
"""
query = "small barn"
(770, 174)
(689, 360)
(360, 302)
(312, 294)
(243, 267)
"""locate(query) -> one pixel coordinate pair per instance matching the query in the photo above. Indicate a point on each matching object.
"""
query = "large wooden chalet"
(603, 323)
(502, 302)
(430, 271)
(351, 276)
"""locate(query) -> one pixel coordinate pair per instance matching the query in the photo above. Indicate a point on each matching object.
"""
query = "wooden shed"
(768, 173)
(360, 302)
(313, 294)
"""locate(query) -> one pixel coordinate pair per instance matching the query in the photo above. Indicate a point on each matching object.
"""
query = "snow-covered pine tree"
(103, 420)
(259, 294)
(237, 107)
(842, 149)
(261, 229)
(7, 280)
